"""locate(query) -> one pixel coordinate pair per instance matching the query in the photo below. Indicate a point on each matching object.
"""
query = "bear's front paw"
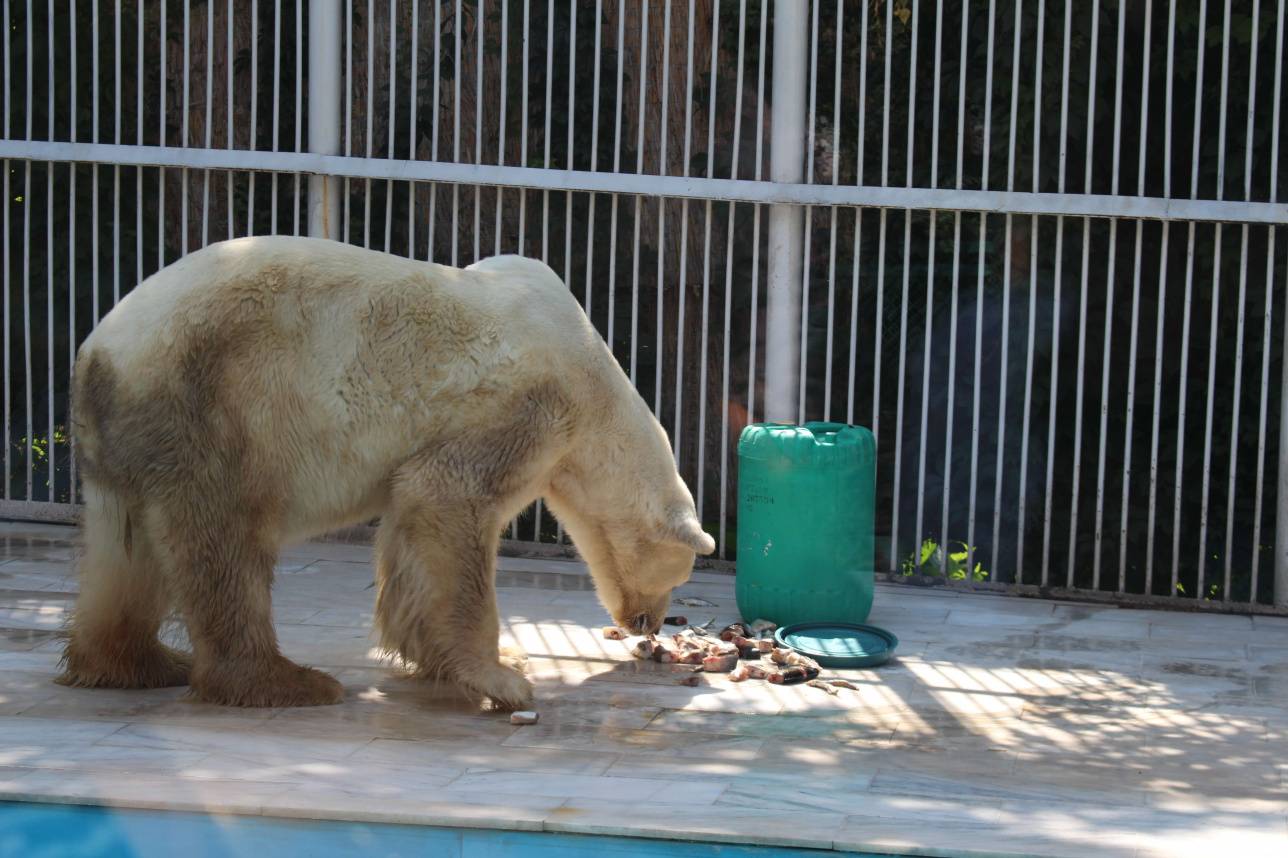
(274, 683)
(508, 689)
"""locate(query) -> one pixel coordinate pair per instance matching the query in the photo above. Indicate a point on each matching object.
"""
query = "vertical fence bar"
(957, 240)
(664, 86)
(858, 213)
(73, 60)
(411, 123)
(786, 164)
(683, 291)
(728, 295)
(50, 442)
(1243, 290)
(879, 315)
(1189, 291)
(979, 291)
(808, 213)
(1280, 570)
(456, 150)
(1215, 317)
(594, 166)
(94, 134)
(1162, 305)
(116, 138)
(161, 139)
(500, 143)
(706, 269)
(27, 210)
(228, 63)
(754, 330)
(617, 168)
(1135, 308)
(836, 175)
(1059, 278)
(277, 103)
(210, 102)
(393, 118)
(905, 298)
(930, 293)
(1022, 515)
(324, 113)
(1112, 267)
(8, 208)
(254, 107)
(433, 136)
(639, 169)
(479, 42)
(299, 103)
(1082, 299)
(371, 117)
(1006, 300)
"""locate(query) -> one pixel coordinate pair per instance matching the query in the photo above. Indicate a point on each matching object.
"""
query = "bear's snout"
(645, 624)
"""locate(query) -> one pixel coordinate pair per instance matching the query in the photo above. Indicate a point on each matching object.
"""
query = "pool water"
(74, 831)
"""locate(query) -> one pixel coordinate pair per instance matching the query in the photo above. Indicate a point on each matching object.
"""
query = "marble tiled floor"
(1006, 726)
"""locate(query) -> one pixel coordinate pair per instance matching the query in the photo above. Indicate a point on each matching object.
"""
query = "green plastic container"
(806, 498)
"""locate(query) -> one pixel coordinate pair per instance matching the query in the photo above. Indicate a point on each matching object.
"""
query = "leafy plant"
(941, 561)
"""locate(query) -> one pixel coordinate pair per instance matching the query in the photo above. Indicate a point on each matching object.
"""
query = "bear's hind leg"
(436, 601)
(122, 602)
(223, 579)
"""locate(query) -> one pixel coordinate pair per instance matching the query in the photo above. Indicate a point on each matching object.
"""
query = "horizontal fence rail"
(647, 185)
(1036, 246)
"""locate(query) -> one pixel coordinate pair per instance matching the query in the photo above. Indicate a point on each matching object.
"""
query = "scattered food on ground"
(675, 621)
(613, 633)
(760, 628)
(524, 717)
(735, 652)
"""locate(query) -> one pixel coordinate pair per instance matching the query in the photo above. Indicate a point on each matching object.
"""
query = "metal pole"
(786, 222)
(324, 113)
(1281, 512)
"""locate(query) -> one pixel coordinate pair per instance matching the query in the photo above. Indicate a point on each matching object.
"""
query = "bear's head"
(635, 569)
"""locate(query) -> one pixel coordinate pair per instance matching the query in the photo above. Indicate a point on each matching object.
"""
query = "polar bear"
(268, 389)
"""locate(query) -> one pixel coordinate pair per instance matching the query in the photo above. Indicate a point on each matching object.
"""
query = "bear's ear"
(685, 530)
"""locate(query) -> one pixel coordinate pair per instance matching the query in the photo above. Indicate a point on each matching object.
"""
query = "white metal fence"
(1034, 245)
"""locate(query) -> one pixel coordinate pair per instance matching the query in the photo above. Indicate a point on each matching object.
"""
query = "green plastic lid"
(839, 644)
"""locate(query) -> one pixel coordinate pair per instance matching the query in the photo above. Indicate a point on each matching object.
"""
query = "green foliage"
(941, 561)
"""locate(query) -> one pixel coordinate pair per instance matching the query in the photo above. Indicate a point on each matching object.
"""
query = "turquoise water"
(74, 831)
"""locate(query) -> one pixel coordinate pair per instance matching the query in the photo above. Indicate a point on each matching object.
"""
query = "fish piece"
(734, 630)
(756, 670)
(524, 717)
(822, 686)
(675, 621)
(693, 681)
(842, 683)
(644, 649)
(792, 674)
(694, 602)
(613, 633)
(791, 657)
(760, 627)
(720, 663)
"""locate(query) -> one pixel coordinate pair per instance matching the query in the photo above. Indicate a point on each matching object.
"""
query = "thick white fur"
(269, 389)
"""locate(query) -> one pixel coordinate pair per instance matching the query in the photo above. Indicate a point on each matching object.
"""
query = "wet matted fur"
(269, 389)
